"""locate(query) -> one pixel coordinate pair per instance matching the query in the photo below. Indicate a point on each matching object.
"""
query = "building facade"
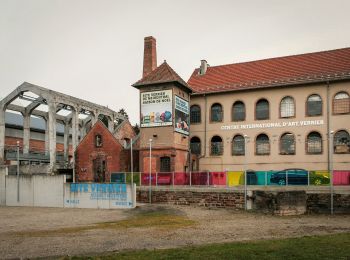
(164, 113)
(288, 112)
(273, 114)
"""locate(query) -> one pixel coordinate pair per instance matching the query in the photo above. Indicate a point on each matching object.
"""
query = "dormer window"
(98, 140)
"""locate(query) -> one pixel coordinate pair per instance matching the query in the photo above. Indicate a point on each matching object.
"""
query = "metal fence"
(235, 178)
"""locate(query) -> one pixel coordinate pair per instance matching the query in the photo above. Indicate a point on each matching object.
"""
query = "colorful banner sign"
(156, 108)
(182, 112)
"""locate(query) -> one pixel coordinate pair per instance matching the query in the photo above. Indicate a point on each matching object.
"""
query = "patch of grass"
(160, 220)
(335, 246)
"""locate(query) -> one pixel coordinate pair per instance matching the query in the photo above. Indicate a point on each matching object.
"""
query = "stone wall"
(195, 197)
(321, 203)
(278, 202)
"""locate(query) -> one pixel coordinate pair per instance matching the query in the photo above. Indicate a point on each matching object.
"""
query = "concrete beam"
(34, 112)
(34, 105)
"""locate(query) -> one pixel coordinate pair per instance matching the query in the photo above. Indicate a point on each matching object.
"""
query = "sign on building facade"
(156, 108)
(182, 116)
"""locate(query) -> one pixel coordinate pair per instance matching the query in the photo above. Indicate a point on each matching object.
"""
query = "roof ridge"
(278, 57)
(296, 69)
(162, 74)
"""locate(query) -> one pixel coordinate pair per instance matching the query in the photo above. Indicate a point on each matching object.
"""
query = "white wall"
(35, 190)
(92, 195)
(53, 191)
(3, 172)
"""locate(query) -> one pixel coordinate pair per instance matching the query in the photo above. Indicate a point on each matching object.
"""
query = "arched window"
(341, 142)
(165, 164)
(195, 145)
(287, 144)
(238, 145)
(262, 110)
(314, 143)
(216, 113)
(238, 111)
(341, 103)
(287, 107)
(216, 146)
(262, 145)
(314, 105)
(195, 114)
(98, 140)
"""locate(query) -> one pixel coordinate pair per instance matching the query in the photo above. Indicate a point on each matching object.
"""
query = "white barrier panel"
(25, 196)
(99, 195)
(3, 172)
(53, 191)
(35, 190)
(48, 190)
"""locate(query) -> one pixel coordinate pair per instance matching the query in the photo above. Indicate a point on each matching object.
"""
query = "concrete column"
(94, 118)
(66, 141)
(82, 131)
(75, 128)
(2, 135)
(111, 125)
(75, 132)
(26, 132)
(46, 136)
(52, 134)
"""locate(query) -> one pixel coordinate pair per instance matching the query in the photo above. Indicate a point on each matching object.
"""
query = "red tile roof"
(289, 70)
(162, 74)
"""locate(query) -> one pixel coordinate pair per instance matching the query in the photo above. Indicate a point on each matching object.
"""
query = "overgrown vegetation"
(313, 247)
(160, 220)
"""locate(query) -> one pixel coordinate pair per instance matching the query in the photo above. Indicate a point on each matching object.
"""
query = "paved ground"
(43, 232)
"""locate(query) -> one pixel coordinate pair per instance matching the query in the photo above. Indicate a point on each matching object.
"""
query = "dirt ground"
(45, 232)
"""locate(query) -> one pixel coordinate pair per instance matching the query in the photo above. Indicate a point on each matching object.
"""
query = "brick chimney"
(149, 56)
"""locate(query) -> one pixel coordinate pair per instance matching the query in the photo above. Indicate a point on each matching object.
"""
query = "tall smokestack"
(149, 56)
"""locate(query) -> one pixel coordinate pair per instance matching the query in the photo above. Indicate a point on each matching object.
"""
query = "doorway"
(99, 165)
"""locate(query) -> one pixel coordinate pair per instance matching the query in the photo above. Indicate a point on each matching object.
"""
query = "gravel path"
(212, 226)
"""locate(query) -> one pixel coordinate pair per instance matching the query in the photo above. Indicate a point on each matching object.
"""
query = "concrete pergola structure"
(55, 102)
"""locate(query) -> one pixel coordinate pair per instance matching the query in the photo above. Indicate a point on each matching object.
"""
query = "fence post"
(190, 178)
(286, 178)
(245, 190)
(265, 178)
(156, 178)
(140, 175)
(208, 178)
(308, 178)
(173, 175)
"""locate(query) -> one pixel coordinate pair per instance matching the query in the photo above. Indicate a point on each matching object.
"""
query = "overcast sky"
(93, 49)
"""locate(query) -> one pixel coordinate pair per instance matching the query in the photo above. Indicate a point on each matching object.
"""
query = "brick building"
(100, 153)
(160, 88)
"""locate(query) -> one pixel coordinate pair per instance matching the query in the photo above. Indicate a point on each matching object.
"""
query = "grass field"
(314, 247)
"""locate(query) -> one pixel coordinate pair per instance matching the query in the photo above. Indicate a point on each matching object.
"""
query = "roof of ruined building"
(273, 72)
(15, 120)
(162, 74)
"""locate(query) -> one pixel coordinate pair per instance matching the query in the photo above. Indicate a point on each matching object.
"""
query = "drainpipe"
(330, 145)
(188, 137)
(205, 126)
